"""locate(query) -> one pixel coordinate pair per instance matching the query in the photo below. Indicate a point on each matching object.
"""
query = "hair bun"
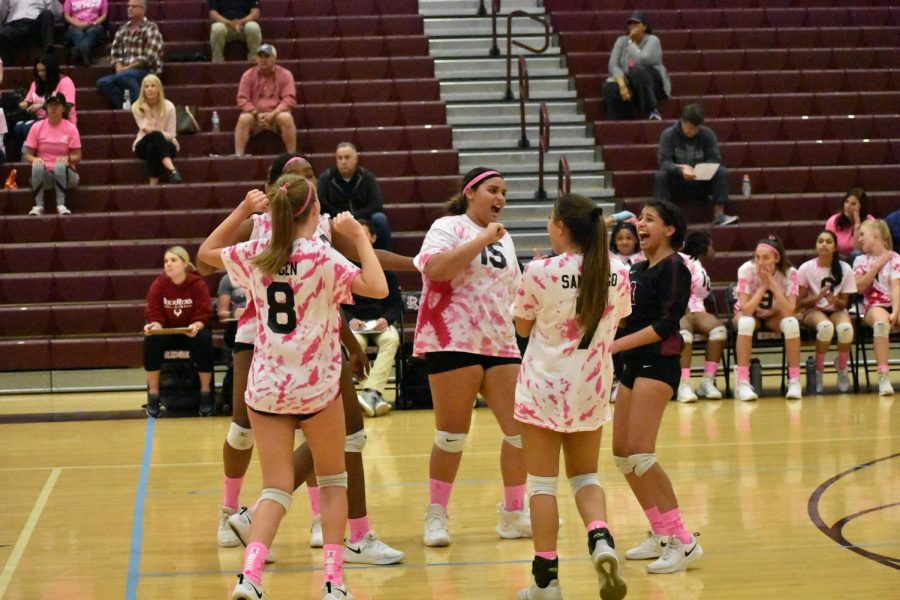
(596, 214)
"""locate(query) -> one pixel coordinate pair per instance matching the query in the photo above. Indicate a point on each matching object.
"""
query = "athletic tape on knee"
(623, 464)
(299, 438)
(687, 336)
(844, 333)
(881, 329)
(580, 481)
(790, 327)
(339, 480)
(641, 463)
(538, 485)
(355, 442)
(239, 438)
(746, 325)
(450, 442)
(717, 334)
(279, 496)
(513, 440)
(824, 331)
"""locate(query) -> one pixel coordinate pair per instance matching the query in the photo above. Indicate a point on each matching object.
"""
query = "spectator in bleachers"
(846, 223)
(234, 20)
(178, 298)
(137, 51)
(893, 223)
(25, 22)
(53, 148)
(87, 27)
(350, 187)
(230, 305)
(682, 146)
(47, 80)
(384, 312)
(637, 77)
(266, 95)
(155, 143)
(623, 244)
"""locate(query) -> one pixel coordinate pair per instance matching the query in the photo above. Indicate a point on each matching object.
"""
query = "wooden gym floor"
(792, 499)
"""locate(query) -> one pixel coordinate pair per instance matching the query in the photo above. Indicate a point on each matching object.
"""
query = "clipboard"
(170, 331)
(705, 171)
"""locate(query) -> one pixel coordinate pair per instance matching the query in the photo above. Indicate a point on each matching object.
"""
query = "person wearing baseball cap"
(637, 78)
(53, 147)
(266, 95)
(234, 20)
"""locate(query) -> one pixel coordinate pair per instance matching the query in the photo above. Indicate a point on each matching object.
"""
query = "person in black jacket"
(353, 188)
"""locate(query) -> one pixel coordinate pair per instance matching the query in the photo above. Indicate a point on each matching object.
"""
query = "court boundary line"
(137, 519)
(12, 562)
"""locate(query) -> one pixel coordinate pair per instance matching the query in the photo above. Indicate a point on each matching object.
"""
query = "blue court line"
(137, 519)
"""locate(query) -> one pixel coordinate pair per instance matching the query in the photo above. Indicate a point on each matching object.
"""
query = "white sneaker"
(820, 383)
(677, 556)
(367, 407)
(246, 590)
(226, 538)
(686, 393)
(371, 551)
(331, 591)
(708, 389)
(533, 592)
(437, 533)
(62, 210)
(843, 380)
(884, 385)
(315, 533)
(652, 547)
(514, 524)
(606, 563)
(382, 406)
(793, 390)
(744, 392)
(240, 525)
(36, 211)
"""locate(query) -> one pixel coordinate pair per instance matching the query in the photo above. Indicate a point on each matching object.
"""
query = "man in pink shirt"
(53, 148)
(265, 96)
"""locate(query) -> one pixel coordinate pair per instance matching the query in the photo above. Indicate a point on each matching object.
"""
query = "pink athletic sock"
(675, 525)
(656, 522)
(597, 525)
(842, 360)
(314, 502)
(358, 528)
(546, 555)
(820, 362)
(710, 369)
(883, 369)
(254, 561)
(514, 497)
(793, 372)
(686, 374)
(743, 374)
(439, 492)
(232, 492)
(333, 563)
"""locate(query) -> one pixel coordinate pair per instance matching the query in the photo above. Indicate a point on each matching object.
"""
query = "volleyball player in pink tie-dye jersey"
(569, 307)
(296, 283)
(465, 332)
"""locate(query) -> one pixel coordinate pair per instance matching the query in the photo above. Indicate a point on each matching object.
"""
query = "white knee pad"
(339, 480)
(239, 437)
(355, 442)
(635, 463)
(513, 440)
(746, 325)
(790, 327)
(580, 481)
(541, 485)
(450, 442)
(824, 331)
(844, 333)
(279, 496)
(299, 438)
(881, 329)
(717, 334)
(687, 336)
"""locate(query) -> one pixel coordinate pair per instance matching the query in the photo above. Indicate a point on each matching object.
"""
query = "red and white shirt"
(565, 380)
(297, 352)
(473, 311)
(700, 284)
(748, 282)
(879, 293)
(814, 277)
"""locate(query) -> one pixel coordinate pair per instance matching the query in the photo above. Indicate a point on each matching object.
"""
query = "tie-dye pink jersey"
(748, 282)
(262, 230)
(564, 383)
(699, 284)
(297, 355)
(473, 311)
(879, 292)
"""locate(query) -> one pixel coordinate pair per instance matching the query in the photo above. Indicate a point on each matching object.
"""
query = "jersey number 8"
(282, 316)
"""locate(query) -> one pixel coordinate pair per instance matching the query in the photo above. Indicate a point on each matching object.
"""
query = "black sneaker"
(174, 176)
(725, 220)
(153, 409)
(207, 404)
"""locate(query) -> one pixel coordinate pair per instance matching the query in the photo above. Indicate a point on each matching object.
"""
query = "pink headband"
(296, 159)
(770, 247)
(479, 178)
(309, 189)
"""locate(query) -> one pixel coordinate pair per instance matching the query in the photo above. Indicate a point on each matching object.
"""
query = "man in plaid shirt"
(137, 50)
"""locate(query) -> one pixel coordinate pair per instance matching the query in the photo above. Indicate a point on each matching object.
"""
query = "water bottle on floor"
(126, 104)
(756, 375)
(745, 186)
(215, 121)
(810, 376)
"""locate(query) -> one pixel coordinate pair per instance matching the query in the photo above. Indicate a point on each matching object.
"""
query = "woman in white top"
(155, 143)
(826, 284)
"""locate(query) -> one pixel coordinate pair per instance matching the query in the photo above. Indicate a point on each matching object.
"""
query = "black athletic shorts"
(661, 368)
(242, 347)
(298, 417)
(441, 362)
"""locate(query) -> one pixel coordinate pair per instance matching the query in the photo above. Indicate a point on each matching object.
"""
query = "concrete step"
(479, 27)
(472, 47)
(507, 138)
(474, 119)
(593, 186)
(495, 68)
(491, 90)
(490, 111)
(469, 8)
(580, 160)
